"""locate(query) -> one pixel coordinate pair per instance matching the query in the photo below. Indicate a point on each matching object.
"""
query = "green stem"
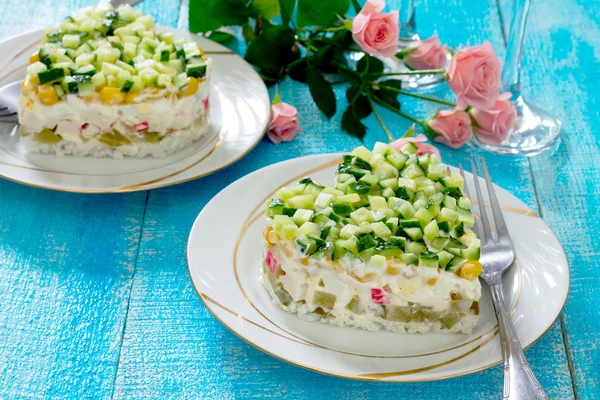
(343, 67)
(418, 96)
(417, 72)
(400, 113)
(383, 126)
(338, 82)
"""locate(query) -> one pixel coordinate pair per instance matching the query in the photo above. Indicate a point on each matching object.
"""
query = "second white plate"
(239, 116)
(225, 257)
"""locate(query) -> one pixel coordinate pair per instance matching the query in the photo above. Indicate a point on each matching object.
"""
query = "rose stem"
(417, 72)
(383, 126)
(400, 113)
(418, 96)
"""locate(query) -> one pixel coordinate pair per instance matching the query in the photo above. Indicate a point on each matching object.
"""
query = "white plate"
(224, 259)
(240, 112)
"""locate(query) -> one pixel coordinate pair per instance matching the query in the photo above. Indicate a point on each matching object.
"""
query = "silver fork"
(497, 255)
(7, 115)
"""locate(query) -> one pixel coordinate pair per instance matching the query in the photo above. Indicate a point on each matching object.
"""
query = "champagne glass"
(535, 130)
(408, 36)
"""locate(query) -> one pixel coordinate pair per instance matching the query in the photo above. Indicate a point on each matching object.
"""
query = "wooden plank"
(561, 58)
(66, 265)
(173, 347)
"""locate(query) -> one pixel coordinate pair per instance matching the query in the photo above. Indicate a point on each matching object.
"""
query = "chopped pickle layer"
(47, 136)
(114, 139)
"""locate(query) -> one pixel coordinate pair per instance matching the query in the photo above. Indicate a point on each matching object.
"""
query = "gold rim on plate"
(138, 186)
(373, 376)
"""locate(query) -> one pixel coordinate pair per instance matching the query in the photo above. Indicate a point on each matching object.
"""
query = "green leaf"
(321, 12)
(286, 8)
(221, 37)
(210, 15)
(323, 56)
(248, 32)
(387, 95)
(321, 91)
(268, 9)
(271, 50)
(358, 102)
(352, 125)
(297, 71)
(369, 64)
(342, 39)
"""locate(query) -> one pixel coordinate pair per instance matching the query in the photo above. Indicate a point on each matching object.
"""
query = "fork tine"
(486, 234)
(477, 227)
(501, 229)
(7, 114)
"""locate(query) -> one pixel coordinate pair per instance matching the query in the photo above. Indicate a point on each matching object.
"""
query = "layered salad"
(388, 246)
(104, 83)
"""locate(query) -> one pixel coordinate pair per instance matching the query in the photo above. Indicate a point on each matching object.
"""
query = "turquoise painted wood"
(95, 299)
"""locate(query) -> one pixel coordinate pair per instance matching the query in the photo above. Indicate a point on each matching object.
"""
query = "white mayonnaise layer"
(428, 287)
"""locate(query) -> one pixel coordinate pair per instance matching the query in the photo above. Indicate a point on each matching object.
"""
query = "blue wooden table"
(95, 299)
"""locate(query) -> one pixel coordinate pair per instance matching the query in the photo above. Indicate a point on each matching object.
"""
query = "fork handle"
(519, 381)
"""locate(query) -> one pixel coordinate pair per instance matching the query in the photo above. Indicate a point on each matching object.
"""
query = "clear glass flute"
(535, 130)
(408, 36)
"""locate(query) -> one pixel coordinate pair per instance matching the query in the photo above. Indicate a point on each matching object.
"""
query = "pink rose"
(422, 148)
(375, 32)
(492, 126)
(474, 76)
(284, 124)
(428, 54)
(453, 127)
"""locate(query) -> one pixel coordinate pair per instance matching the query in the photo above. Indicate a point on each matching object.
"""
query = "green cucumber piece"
(428, 260)
(471, 253)
(196, 70)
(444, 258)
(51, 75)
(126, 88)
(414, 233)
(86, 88)
(60, 92)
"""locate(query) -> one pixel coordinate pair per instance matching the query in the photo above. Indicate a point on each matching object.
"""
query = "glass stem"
(512, 63)
(408, 28)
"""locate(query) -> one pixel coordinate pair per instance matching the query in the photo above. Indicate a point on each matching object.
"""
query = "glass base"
(535, 131)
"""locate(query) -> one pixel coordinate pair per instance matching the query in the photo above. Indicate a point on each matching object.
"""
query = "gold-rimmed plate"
(225, 258)
(240, 112)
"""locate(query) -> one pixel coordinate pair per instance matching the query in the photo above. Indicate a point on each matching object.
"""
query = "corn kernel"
(111, 96)
(192, 87)
(368, 277)
(431, 281)
(35, 57)
(47, 95)
(28, 86)
(304, 261)
(273, 237)
(470, 270)
(266, 232)
(393, 270)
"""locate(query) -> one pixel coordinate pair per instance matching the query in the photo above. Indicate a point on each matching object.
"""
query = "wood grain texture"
(66, 267)
(561, 60)
(172, 347)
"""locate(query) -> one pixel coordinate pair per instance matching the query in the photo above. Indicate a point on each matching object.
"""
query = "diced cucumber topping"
(96, 37)
(51, 75)
(385, 204)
